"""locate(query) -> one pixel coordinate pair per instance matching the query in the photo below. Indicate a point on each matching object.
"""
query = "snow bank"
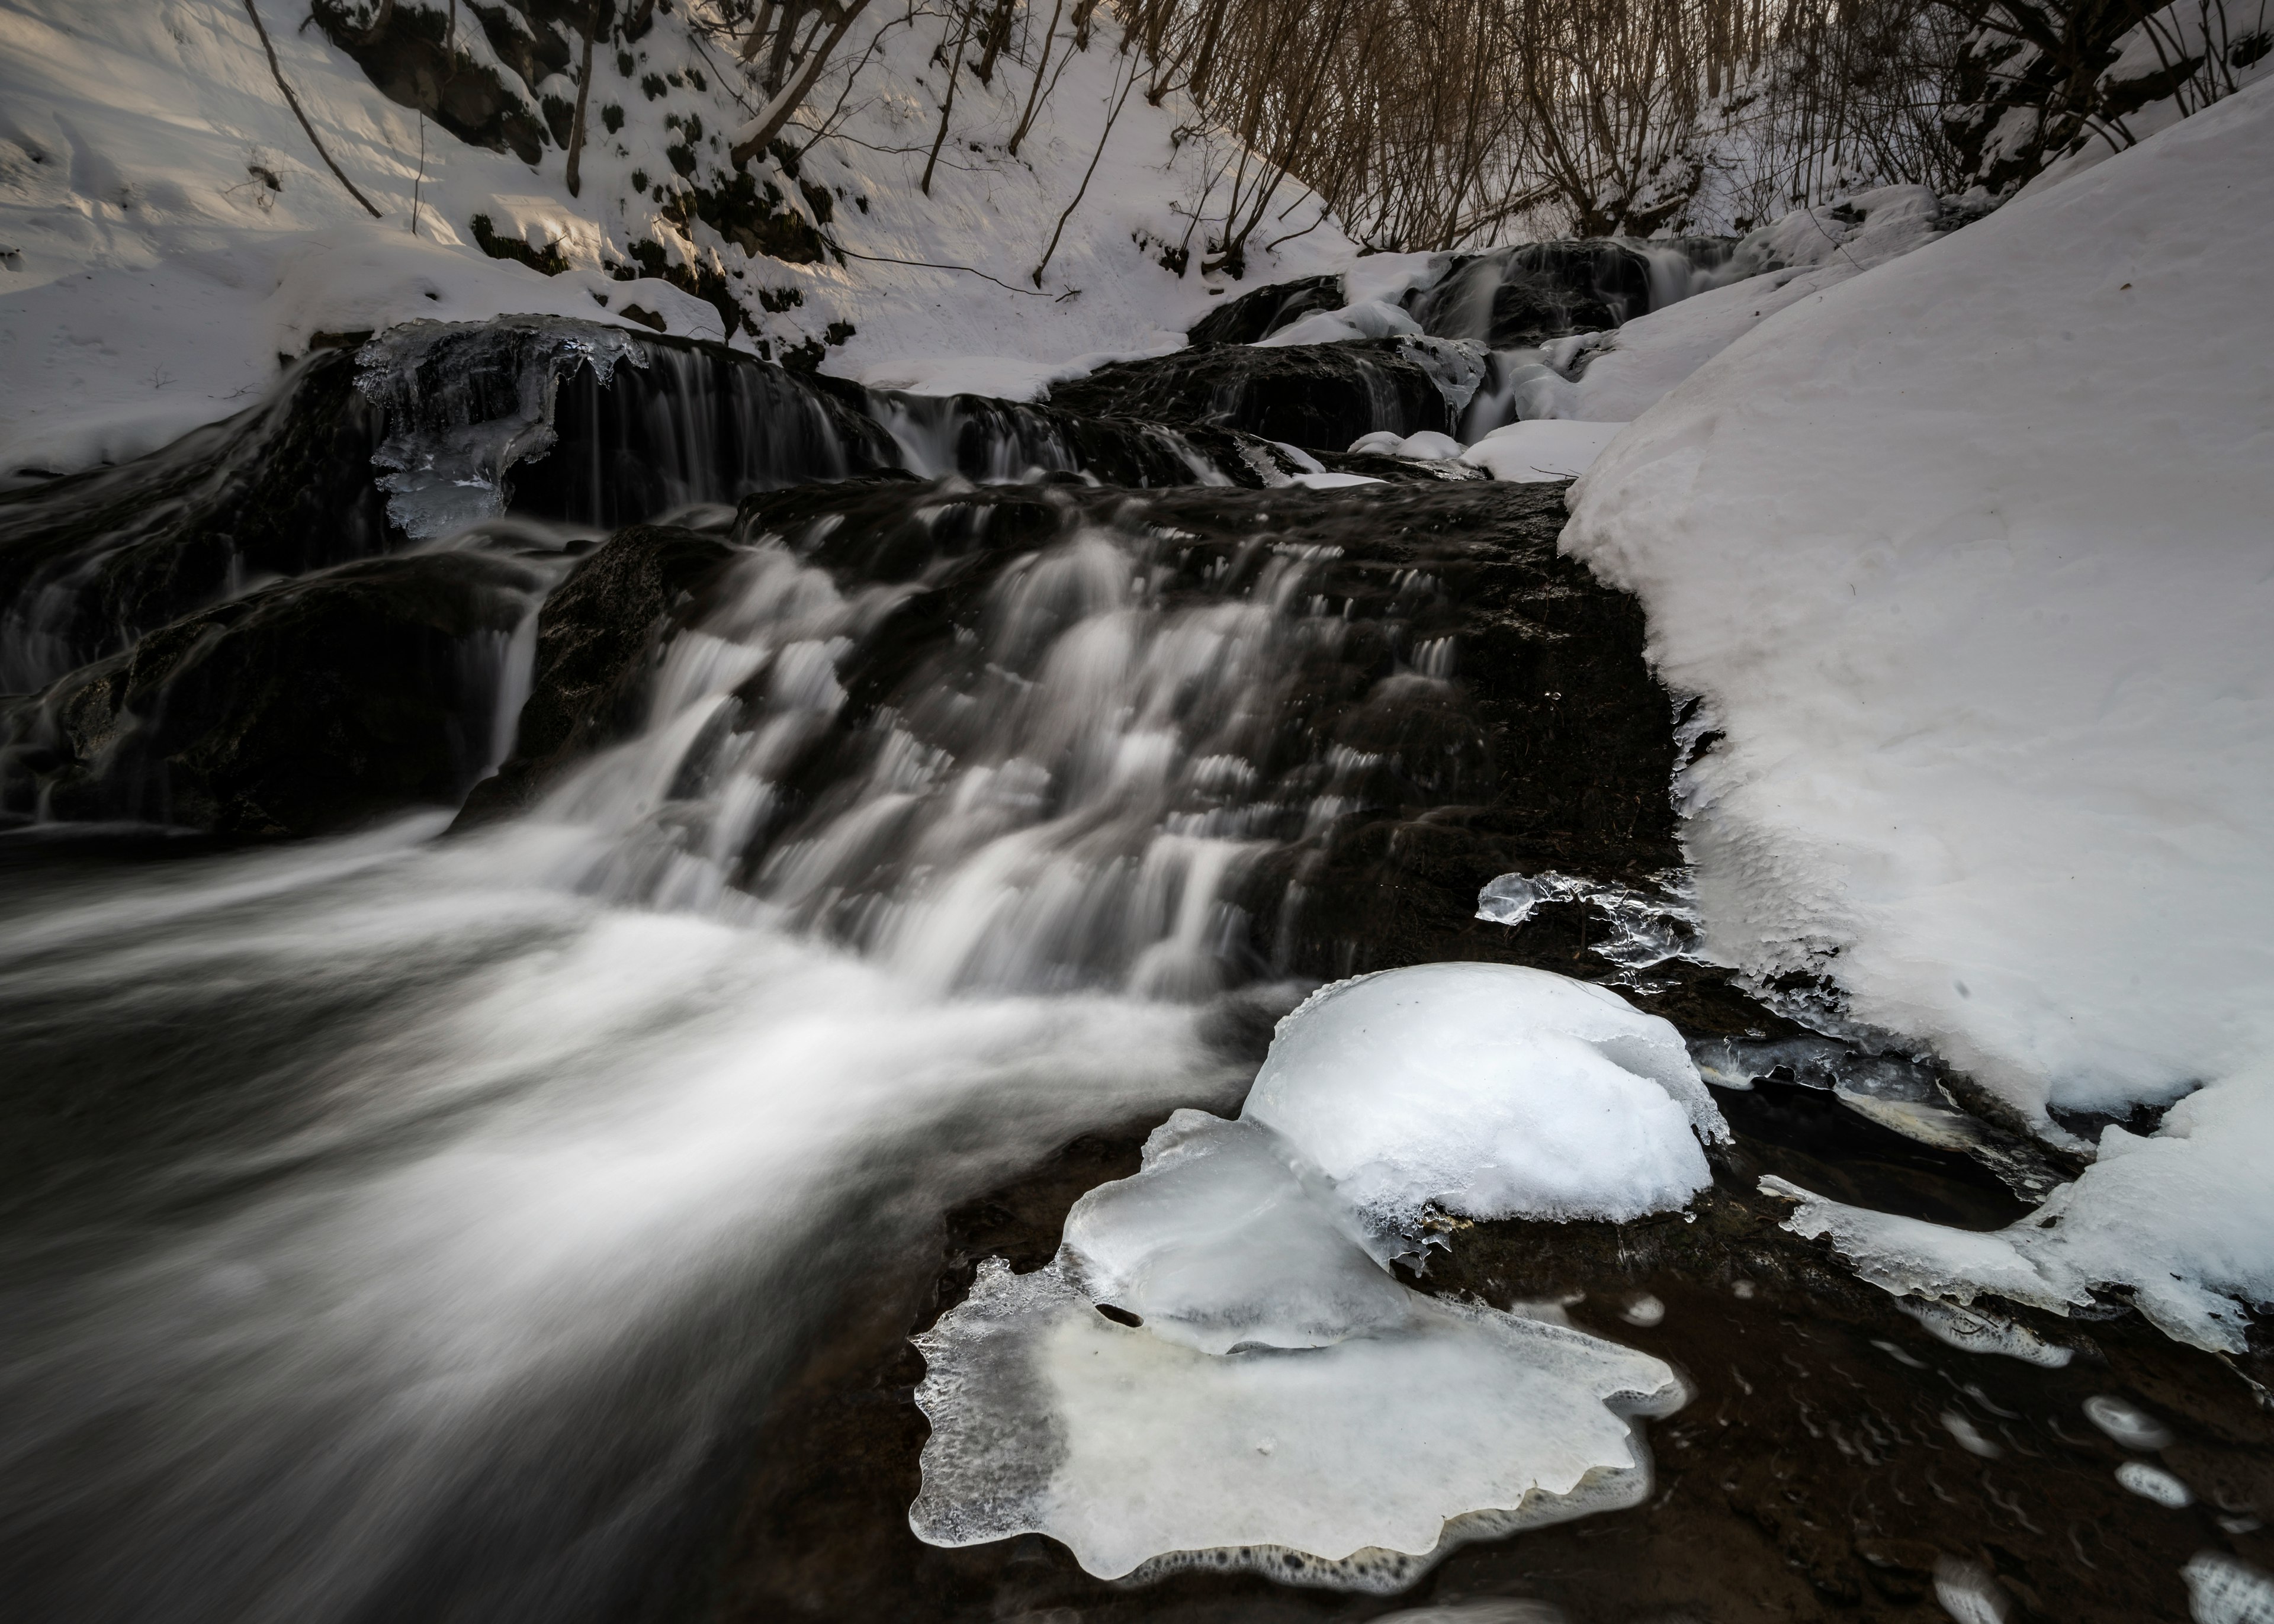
(1541, 449)
(1806, 254)
(1968, 559)
(1218, 1368)
(167, 232)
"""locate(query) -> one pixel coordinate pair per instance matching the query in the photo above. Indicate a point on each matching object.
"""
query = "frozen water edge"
(1218, 1368)
(1145, 1457)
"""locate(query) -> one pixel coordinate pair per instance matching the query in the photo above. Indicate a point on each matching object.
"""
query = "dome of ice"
(1492, 1091)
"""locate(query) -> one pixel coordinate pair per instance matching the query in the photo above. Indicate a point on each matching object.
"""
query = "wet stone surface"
(1834, 1455)
(1319, 396)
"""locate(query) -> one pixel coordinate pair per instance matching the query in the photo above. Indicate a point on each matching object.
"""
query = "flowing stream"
(427, 1214)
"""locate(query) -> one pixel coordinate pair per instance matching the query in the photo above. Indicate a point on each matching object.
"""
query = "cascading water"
(575, 423)
(498, 1174)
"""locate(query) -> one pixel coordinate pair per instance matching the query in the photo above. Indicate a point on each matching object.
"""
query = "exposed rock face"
(307, 707)
(402, 53)
(1542, 291)
(90, 562)
(596, 637)
(1320, 396)
(1550, 747)
(1262, 312)
(579, 422)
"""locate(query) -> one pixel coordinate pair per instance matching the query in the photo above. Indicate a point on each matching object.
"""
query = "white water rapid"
(417, 1220)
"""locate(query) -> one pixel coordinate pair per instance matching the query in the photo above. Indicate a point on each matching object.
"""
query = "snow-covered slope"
(1970, 558)
(167, 231)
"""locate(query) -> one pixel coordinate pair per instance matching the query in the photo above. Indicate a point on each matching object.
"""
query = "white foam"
(2225, 1590)
(2154, 1483)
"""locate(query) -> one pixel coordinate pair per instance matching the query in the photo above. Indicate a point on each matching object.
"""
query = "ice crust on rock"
(1492, 1091)
(1283, 1403)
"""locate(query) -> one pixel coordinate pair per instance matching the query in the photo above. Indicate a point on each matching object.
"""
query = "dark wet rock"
(1541, 291)
(307, 707)
(1262, 312)
(1814, 1474)
(1318, 396)
(91, 562)
(596, 640)
(577, 422)
(1398, 469)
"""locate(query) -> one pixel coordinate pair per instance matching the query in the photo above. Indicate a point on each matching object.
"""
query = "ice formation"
(2131, 1426)
(1967, 556)
(1642, 929)
(2225, 1590)
(1222, 1242)
(1343, 1464)
(1977, 1331)
(1218, 1368)
(1492, 1091)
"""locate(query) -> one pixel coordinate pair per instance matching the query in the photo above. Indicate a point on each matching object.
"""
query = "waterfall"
(581, 423)
(507, 1173)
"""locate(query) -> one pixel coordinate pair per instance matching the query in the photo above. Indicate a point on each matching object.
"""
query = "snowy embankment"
(167, 231)
(1970, 559)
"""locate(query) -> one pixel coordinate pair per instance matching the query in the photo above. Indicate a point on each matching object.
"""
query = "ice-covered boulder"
(1221, 1242)
(1218, 1368)
(1489, 1090)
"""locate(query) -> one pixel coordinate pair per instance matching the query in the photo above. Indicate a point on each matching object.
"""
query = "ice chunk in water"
(1130, 1448)
(1218, 1243)
(2127, 1424)
(1282, 1401)
(1491, 1091)
(1508, 901)
(2154, 1483)
(2225, 1590)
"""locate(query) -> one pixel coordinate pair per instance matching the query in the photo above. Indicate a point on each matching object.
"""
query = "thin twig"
(262, 29)
(928, 264)
(1113, 114)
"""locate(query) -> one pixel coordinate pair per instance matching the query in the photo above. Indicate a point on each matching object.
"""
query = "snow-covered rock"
(1219, 1369)
(1492, 1091)
(1968, 558)
(1541, 448)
